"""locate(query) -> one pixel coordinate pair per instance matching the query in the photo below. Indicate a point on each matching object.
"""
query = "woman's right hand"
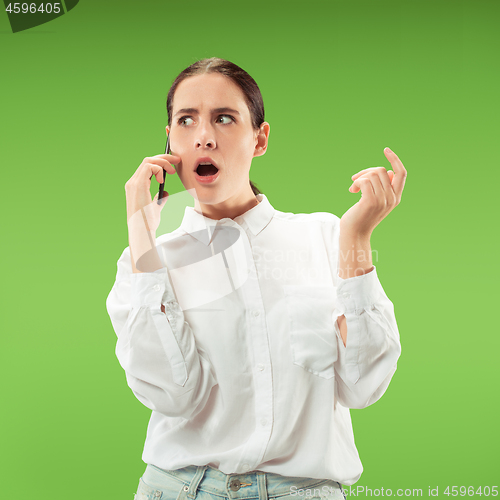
(143, 215)
(137, 188)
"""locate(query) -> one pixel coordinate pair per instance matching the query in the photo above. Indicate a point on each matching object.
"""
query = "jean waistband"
(255, 484)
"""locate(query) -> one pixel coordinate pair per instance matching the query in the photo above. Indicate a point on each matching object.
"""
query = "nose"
(205, 138)
(205, 143)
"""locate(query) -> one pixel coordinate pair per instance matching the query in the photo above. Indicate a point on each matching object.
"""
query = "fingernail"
(388, 150)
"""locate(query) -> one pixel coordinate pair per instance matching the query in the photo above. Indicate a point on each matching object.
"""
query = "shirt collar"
(202, 228)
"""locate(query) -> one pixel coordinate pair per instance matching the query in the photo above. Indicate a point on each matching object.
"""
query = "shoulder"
(320, 217)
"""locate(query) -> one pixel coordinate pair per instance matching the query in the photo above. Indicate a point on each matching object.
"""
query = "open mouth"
(206, 170)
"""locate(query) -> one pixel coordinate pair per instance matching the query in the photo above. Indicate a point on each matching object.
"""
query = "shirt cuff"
(358, 292)
(151, 289)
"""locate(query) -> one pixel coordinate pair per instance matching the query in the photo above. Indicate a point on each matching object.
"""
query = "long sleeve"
(165, 369)
(366, 364)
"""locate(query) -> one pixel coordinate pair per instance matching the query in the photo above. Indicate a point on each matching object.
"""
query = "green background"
(83, 102)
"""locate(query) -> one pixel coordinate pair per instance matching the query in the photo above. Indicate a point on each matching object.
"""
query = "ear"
(262, 139)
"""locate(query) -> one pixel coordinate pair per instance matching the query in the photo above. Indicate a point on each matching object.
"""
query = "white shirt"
(246, 370)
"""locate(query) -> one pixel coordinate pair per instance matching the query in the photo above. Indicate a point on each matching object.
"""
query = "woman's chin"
(208, 199)
(204, 194)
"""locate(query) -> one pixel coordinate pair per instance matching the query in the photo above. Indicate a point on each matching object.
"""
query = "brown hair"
(247, 84)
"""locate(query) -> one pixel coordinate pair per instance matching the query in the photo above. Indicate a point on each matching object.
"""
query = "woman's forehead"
(207, 92)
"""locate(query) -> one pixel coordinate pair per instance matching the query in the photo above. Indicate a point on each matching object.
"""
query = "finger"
(354, 188)
(365, 185)
(378, 188)
(383, 176)
(174, 159)
(385, 181)
(382, 187)
(154, 170)
(400, 173)
(361, 172)
(167, 161)
(169, 168)
(379, 194)
(165, 164)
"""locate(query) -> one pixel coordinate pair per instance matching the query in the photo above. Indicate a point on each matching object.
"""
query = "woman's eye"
(227, 116)
(183, 119)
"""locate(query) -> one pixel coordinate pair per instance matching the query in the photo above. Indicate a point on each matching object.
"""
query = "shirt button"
(186, 488)
(246, 466)
(157, 288)
(263, 421)
(346, 295)
(256, 313)
(260, 366)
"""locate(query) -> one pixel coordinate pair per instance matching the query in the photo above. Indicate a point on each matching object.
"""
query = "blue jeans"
(204, 482)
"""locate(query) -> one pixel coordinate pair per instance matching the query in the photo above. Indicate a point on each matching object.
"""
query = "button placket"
(256, 316)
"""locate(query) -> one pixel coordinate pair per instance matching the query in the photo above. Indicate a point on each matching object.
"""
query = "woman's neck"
(229, 208)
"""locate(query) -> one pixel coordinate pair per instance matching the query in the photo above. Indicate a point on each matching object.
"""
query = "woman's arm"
(366, 325)
(355, 259)
(365, 316)
(165, 369)
(156, 347)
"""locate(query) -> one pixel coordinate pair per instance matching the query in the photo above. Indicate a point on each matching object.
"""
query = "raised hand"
(381, 191)
(143, 215)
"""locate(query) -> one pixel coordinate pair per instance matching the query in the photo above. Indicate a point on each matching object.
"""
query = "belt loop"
(261, 483)
(198, 476)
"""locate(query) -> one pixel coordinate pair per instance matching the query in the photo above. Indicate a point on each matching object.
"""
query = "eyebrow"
(216, 110)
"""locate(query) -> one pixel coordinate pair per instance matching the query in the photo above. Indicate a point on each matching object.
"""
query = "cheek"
(179, 143)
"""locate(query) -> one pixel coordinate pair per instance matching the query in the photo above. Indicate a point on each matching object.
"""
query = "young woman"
(249, 332)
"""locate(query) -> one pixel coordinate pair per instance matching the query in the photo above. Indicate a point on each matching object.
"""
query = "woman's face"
(201, 128)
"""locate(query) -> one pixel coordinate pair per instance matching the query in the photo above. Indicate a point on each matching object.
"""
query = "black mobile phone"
(162, 185)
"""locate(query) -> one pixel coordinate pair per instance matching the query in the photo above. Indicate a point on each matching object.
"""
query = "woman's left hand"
(380, 192)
